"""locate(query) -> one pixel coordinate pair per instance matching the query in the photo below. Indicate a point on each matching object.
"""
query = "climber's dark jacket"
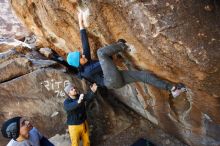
(92, 70)
(76, 113)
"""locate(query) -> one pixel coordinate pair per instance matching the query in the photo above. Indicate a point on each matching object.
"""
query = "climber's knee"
(110, 84)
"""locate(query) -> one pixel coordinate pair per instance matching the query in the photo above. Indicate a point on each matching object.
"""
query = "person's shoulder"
(67, 100)
(34, 132)
(35, 135)
(15, 143)
(34, 129)
(90, 65)
(12, 142)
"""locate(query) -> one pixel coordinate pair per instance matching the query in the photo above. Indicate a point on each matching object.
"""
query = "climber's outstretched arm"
(84, 38)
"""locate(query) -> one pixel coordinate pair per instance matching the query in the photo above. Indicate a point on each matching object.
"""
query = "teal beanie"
(73, 59)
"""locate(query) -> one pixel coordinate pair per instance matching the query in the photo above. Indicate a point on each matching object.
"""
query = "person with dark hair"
(75, 107)
(22, 133)
(106, 74)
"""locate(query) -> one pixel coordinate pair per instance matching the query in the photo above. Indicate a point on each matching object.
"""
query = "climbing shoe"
(122, 41)
(178, 89)
(124, 45)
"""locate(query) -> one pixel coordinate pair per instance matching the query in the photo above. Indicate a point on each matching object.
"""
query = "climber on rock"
(74, 105)
(105, 73)
(22, 133)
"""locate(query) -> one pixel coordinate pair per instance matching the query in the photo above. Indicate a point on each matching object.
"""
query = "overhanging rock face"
(32, 86)
(177, 40)
(10, 25)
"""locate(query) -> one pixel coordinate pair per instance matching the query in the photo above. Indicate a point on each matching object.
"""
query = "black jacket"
(76, 113)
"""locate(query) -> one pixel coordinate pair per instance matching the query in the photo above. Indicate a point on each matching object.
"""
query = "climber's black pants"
(114, 78)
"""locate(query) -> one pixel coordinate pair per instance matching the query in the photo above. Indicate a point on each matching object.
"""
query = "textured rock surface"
(32, 86)
(10, 26)
(23, 90)
(176, 39)
(8, 43)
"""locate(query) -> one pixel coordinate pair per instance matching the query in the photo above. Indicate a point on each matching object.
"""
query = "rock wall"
(176, 39)
(10, 25)
(32, 86)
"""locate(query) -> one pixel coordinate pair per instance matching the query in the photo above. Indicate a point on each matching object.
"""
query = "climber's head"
(75, 59)
(16, 127)
(71, 90)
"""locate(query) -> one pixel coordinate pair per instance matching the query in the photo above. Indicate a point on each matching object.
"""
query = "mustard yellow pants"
(78, 132)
